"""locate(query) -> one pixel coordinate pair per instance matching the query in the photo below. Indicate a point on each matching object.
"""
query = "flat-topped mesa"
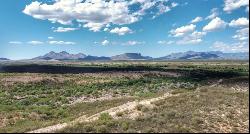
(130, 56)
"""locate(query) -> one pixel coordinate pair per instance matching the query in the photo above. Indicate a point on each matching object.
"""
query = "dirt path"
(217, 83)
(128, 107)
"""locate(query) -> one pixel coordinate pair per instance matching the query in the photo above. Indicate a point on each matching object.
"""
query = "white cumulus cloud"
(242, 34)
(241, 22)
(193, 38)
(216, 23)
(181, 31)
(231, 5)
(121, 31)
(93, 14)
(197, 19)
(213, 13)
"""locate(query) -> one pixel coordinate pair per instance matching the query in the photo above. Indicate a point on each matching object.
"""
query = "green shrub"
(105, 117)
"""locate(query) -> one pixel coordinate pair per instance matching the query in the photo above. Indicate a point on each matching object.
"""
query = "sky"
(30, 28)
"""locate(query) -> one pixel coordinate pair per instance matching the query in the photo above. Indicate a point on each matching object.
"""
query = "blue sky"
(105, 28)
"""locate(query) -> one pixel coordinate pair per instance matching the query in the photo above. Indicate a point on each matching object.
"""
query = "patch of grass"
(47, 116)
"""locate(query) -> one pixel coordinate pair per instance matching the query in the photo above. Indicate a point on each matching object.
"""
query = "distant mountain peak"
(64, 52)
(130, 56)
(60, 56)
(52, 52)
(4, 59)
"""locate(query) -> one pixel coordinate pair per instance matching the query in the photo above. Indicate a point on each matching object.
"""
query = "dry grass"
(208, 110)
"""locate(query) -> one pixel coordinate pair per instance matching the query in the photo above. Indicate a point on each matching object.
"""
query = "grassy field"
(211, 96)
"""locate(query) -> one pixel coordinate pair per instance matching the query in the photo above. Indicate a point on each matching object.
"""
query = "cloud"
(216, 23)
(63, 29)
(188, 34)
(105, 42)
(127, 43)
(145, 5)
(214, 13)
(181, 31)
(197, 19)
(242, 34)
(61, 42)
(184, 4)
(163, 8)
(193, 38)
(92, 14)
(231, 5)
(121, 31)
(50, 37)
(163, 42)
(106, 29)
(95, 27)
(133, 43)
(247, 9)
(50, 41)
(241, 22)
(235, 47)
(173, 4)
(35, 42)
(15, 42)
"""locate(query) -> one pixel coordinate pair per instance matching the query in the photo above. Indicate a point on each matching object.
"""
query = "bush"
(125, 126)
(105, 117)
(119, 114)
(102, 129)
(139, 107)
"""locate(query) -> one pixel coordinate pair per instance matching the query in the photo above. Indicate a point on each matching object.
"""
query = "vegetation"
(208, 110)
(48, 93)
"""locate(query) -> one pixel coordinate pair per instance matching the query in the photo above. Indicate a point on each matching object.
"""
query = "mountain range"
(189, 55)
(60, 56)
(66, 56)
(212, 55)
(4, 59)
